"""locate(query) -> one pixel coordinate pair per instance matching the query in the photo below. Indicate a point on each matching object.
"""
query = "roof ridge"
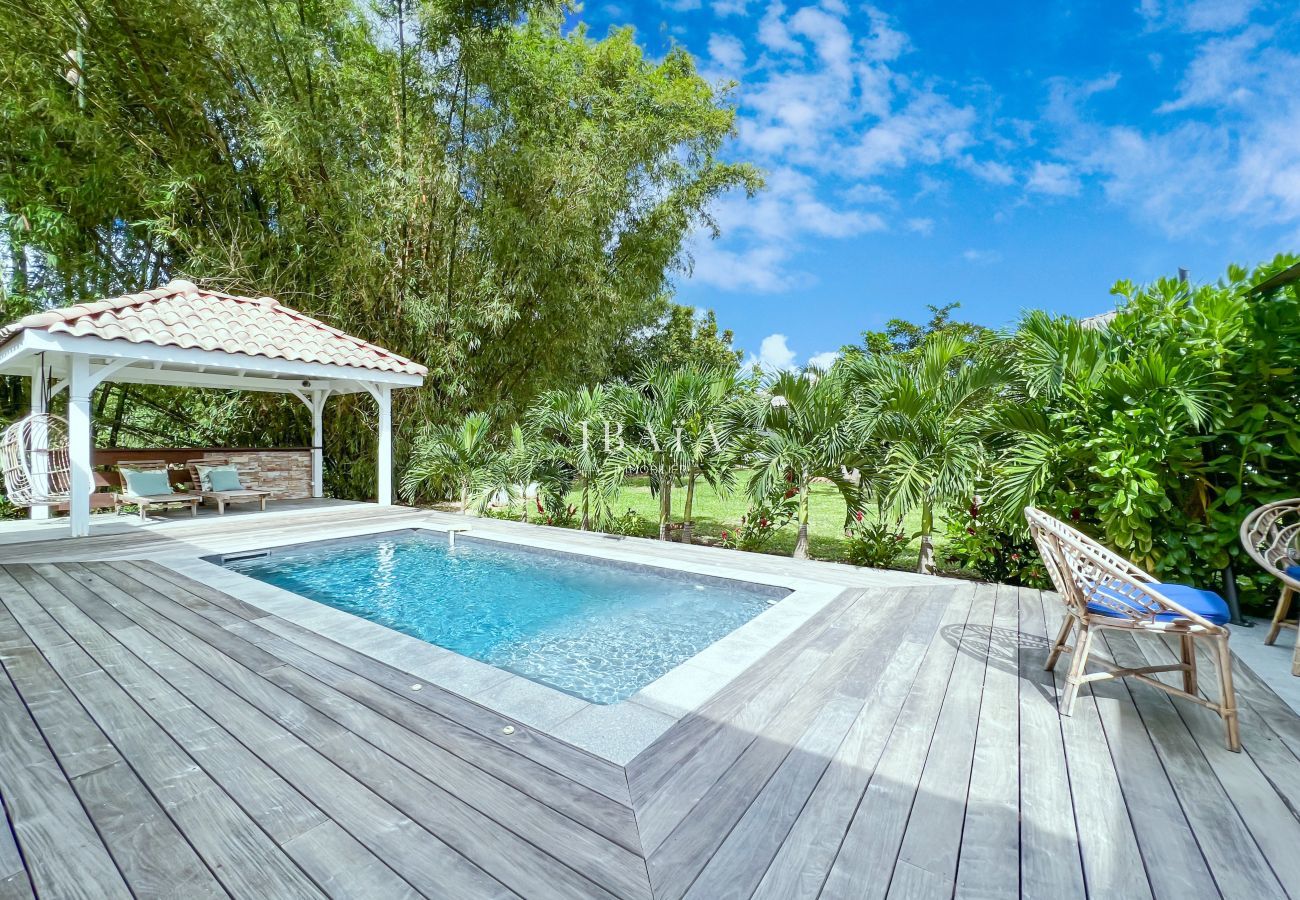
(104, 318)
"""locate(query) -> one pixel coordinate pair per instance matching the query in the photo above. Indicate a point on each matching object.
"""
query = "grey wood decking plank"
(805, 857)
(1113, 865)
(1050, 864)
(11, 860)
(988, 864)
(271, 801)
(489, 805)
(932, 841)
(871, 842)
(716, 750)
(655, 767)
(704, 754)
(707, 820)
(416, 854)
(1175, 866)
(1239, 867)
(588, 807)
(484, 843)
(344, 867)
(1260, 735)
(597, 774)
(208, 595)
(62, 853)
(184, 535)
(1266, 813)
(147, 848)
(490, 844)
(735, 869)
(243, 857)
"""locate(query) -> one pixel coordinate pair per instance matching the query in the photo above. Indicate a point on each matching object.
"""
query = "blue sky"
(1004, 155)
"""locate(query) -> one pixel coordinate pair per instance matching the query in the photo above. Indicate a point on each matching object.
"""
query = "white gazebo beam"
(39, 409)
(384, 474)
(82, 481)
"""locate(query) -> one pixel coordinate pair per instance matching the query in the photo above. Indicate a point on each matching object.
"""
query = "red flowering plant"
(978, 543)
(876, 542)
(760, 523)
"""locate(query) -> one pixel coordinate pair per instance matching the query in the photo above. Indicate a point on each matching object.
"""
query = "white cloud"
(1197, 15)
(1054, 179)
(1226, 148)
(827, 109)
(723, 8)
(774, 353)
(921, 226)
(981, 257)
(727, 52)
(823, 361)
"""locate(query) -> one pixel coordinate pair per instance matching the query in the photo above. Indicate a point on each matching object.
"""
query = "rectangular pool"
(598, 629)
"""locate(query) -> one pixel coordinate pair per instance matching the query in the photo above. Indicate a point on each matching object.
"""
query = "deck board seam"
(893, 730)
(1183, 713)
(1163, 700)
(122, 756)
(352, 832)
(966, 625)
(366, 741)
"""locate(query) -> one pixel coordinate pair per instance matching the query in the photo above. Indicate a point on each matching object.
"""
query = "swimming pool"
(598, 629)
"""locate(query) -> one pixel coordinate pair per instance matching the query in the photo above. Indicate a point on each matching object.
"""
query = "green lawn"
(714, 513)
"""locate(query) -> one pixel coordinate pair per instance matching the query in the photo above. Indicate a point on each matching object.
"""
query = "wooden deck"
(159, 738)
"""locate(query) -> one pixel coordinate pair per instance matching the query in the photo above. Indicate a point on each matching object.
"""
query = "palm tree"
(707, 437)
(926, 418)
(653, 411)
(799, 434)
(572, 428)
(461, 461)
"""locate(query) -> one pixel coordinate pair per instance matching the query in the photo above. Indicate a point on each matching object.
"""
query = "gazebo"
(187, 336)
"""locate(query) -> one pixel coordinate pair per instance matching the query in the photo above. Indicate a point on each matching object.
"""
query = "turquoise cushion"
(146, 484)
(1206, 604)
(224, 479)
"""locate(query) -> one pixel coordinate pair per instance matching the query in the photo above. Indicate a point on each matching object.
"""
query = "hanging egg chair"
(37, 467)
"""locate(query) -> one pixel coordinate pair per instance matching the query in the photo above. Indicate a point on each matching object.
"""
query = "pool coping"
(616, 732)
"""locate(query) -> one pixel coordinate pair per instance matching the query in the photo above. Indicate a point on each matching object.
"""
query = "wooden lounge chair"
(221, 498)
(147, 502)
(1104, 590)
(1271, 535)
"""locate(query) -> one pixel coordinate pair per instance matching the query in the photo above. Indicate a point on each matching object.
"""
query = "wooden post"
(318, 443)
(82, 481)
(38, 409)
(384, 398)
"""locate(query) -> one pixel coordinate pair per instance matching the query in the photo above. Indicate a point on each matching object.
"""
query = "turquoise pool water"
(597, 629)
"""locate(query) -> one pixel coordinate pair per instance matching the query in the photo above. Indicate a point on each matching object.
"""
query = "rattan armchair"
(1271, 535)
(1103, 590)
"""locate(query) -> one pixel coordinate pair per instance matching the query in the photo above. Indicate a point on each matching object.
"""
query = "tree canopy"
(466, 183)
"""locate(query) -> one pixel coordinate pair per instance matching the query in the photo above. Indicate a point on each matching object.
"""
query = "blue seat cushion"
(1293, 571)
(1206, 604)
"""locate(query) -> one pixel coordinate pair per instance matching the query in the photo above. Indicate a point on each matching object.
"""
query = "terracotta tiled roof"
(182, 315)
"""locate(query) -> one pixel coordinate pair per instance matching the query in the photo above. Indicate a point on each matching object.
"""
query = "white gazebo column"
(38, 409)
(82, 481)
(318, 443)
(384, 397)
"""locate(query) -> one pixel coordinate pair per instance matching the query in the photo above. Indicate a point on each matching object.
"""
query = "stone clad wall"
(285, 473)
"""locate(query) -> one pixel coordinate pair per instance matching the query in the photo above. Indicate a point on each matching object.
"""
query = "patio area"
(168, 738)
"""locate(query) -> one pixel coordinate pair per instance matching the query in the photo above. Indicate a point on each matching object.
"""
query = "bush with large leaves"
(1160, 432)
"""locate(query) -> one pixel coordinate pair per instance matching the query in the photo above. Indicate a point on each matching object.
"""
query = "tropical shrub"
(1159, 432)
(876, 543)
(991, 550)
